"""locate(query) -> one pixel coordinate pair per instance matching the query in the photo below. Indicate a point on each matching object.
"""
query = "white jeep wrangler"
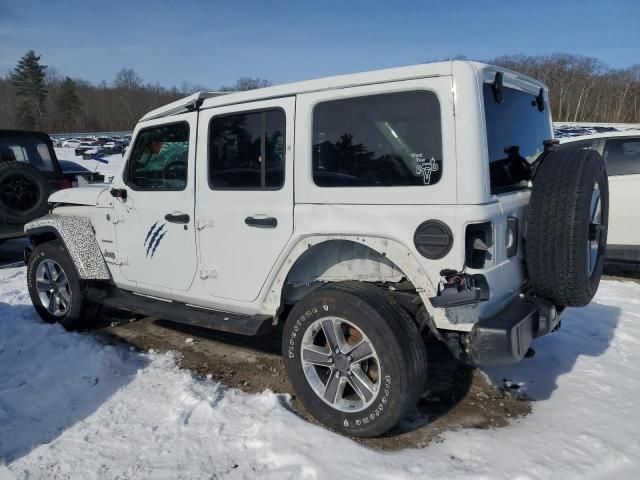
(363, 211)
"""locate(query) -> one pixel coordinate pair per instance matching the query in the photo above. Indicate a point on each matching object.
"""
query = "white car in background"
(621, 152)
(71, 143)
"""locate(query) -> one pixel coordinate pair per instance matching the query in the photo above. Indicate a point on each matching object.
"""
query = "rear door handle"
(267, 222)
(177, 217)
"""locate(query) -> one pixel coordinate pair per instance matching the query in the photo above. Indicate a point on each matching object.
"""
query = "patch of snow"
(73, 407)
(577, 129)
(113, 165)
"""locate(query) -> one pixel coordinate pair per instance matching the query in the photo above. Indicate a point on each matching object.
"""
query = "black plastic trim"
(506, 337)
(178, 312)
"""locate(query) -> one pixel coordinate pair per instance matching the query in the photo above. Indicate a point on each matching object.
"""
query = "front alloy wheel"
(53, 288)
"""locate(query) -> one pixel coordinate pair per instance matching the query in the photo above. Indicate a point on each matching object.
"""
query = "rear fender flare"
(395, 251)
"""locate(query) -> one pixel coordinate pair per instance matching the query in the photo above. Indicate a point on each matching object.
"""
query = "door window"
(246, 151)
(380, 140)
(622, 156)
(159, 160)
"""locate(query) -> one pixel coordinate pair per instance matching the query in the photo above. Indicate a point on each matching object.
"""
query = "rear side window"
(26, 149)
(622, 156)
(382, 140)
(159, 159)
(246, 151)
(516, 130)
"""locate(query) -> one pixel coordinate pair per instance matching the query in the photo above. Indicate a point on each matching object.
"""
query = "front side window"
(159, 160)
(247, 150)
(383, 140)
(516, 130)
(622, 156)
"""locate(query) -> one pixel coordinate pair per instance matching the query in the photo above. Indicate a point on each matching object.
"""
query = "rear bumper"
(505, 338)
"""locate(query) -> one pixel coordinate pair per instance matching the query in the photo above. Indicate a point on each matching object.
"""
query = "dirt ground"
(459, 397)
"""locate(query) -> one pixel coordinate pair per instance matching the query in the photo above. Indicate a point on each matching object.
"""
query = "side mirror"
(118, 193)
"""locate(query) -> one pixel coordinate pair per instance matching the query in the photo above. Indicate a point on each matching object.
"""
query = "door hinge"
(204, 222)
(208, 272)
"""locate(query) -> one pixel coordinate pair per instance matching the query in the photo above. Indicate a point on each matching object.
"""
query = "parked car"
(112, 147)
(621, 153)
(79, 175)
(80, 149)
(406, 216)
(71, 143)
(92, 152)
(29, 172)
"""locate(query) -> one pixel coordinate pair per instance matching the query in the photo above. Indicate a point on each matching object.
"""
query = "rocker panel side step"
(179, 312)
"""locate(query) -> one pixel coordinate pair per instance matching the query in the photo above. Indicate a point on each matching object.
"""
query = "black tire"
(402, 372)
(559, 227)
(80, 313)
(24, 193)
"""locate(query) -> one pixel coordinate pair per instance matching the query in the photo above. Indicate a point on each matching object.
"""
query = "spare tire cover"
(567, 222)
(24, 193)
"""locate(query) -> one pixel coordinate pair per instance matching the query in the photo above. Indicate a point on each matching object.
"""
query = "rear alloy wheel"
(340, 364)
(354, 358)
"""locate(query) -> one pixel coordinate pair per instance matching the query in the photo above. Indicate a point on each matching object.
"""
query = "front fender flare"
(78, 236)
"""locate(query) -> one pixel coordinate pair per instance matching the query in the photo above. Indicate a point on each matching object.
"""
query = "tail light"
(478, 245)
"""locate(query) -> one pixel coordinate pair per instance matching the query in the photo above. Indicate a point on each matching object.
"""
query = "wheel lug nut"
(331, 360)
(348, 372)
(350, 358)
(338, 374)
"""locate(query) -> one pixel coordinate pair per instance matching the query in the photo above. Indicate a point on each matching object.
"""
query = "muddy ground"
(460, 397)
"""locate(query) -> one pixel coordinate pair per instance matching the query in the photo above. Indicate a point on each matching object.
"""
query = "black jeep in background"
(29, 173)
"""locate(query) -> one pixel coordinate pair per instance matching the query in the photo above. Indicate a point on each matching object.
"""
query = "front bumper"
(505, 338)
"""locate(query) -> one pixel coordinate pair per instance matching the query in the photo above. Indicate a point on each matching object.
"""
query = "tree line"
(35, 96)
(583, 89)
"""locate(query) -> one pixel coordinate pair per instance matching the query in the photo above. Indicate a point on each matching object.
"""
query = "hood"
(89, 195)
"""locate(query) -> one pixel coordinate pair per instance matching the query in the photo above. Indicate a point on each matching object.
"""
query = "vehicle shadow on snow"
(51, 379)
(585, 332)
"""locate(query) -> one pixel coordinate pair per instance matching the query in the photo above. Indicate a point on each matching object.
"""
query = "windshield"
(516, 130)
(26, 149)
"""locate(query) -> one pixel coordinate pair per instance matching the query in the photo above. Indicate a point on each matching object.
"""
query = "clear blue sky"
(212, 43)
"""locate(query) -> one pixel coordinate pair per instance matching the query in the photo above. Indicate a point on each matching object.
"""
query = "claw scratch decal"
(154, 236)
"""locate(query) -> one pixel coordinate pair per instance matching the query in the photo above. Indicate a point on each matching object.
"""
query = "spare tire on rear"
(24, 193)
(567, 223)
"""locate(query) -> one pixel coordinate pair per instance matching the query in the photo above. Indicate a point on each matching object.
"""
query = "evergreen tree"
(28, 79)
(68, 104)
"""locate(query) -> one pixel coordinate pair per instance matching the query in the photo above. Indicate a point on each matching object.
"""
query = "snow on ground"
(73, 407)
(112, 166)
(575, 129)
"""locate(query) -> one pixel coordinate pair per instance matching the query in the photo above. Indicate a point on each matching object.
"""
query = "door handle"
(268, 222)
(177, 217)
